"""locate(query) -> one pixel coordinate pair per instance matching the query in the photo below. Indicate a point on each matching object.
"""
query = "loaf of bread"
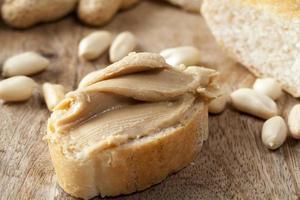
(128, 126)
(261, 34)
(189, 5)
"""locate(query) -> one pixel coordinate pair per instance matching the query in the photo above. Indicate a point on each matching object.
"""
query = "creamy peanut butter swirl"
(135, 97)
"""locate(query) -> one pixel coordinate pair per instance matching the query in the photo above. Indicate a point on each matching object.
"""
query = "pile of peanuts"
(260, 101)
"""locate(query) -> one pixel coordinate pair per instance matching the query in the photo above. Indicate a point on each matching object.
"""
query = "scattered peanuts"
(27, 63)
(274, 132)
(17, 88)
(187, 55)
(94, 45)
(218, 105)
(53, 94)
(122, 45)
(269, 87)
(254, 103)
(294, 121)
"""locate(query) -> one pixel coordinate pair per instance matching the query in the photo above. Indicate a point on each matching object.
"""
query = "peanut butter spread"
(135, 97)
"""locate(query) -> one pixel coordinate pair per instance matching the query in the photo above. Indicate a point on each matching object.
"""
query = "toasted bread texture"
(263, 35)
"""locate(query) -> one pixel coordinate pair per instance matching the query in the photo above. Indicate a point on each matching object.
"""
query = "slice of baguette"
(133, 166)
(189, 5)
(129, 126)
(262, 35)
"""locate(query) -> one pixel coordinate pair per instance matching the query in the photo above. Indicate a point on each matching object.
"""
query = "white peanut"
(122, 45)
(269, 87)
(254, 103)
(187, 55)
(294, 121)
(274, 132)
(53, 94)
(94, 45)
(218, 105)
(17, 88)
(27, 63)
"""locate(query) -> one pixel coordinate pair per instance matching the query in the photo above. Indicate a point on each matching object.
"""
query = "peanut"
(99, 12)
(27, 63)
(17, 88)
(26, 13)
(187, 55)
(254, 103)
(269, 87)
(294, 121)
(122, 45)
(95, 44)
(53, 94)
(274, 132)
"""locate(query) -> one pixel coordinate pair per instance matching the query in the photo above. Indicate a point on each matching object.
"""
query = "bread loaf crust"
(136, 165)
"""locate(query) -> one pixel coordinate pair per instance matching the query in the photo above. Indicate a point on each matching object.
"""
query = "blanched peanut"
(274, 132)
(254, 103)
(122, 45)
(294, 121)
(27, 63)
(95, 44)
(187, 55)
(269, 87)
(53, 94)
(17, 88)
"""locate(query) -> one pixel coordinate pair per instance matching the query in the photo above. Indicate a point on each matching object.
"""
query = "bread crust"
(136, 165)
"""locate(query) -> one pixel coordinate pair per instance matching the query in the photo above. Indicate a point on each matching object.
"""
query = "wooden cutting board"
(233, 163)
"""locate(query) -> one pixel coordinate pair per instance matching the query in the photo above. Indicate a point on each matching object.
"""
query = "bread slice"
(129, 126)
(133, 166)
(263, 35)
(189, 5)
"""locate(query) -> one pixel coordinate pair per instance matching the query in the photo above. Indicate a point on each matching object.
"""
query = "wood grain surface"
(233, 163)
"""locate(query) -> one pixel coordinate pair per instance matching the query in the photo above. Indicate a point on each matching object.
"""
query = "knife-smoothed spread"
(126, 101)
